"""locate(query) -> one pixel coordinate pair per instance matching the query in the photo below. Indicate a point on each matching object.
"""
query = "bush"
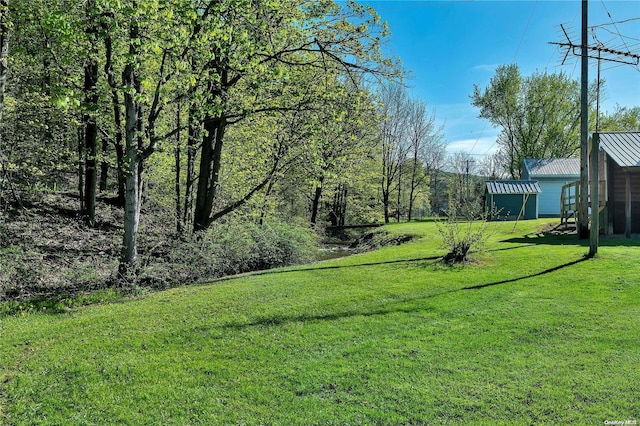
(462, 235)
(248, 246)
(229, 248)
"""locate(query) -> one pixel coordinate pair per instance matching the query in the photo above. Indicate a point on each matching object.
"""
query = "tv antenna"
(601, 53)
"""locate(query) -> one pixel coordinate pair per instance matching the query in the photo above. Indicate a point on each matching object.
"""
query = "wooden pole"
(627, 204)
(595, 195)
(583, 207)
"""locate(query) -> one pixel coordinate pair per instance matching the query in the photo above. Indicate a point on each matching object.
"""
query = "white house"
(551, 174)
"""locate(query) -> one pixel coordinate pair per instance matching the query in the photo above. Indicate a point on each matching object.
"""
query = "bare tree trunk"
(4, 50)
(385, 204)
(209, 174)
(267, 193)
(104, 166)
(117, 115)
(81, 168)
(399, 202)
(129, 255)
(192, 142)
(411, 197)
(132, 193)
(4, 53)
(315, 202)
(89, 118)
(179, 223)
(340, 204)
(387, 179)
(412, 189)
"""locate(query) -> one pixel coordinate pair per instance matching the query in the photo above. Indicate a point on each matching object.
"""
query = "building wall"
(549, 198)
(511, 204)
(616, 202)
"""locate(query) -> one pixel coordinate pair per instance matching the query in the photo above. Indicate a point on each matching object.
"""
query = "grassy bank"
(529, 333)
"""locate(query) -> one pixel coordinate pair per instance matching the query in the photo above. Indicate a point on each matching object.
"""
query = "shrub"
(462, 235)
(229, 248)
(249, 246)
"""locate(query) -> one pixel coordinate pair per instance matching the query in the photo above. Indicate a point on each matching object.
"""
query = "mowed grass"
(530, 333)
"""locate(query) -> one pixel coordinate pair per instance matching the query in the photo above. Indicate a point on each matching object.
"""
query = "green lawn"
(530, 333)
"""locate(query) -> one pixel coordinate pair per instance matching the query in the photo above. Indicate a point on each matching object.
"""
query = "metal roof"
(539, 167)
(623, 147)
(513, 187)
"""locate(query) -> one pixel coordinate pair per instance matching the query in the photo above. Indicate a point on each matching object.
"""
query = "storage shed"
(512, 199)
(551, 174)
(620, 181)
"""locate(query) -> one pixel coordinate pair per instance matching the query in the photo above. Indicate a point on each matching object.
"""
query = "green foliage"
(622, 119)
(228, 248)
(284, 82)
(378, 239)
(59, 303)
(242, 247)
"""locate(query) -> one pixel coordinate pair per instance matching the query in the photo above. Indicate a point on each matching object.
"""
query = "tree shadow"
(328, 267)
(430, 260)
(391, 308)
(537, 274)
(547, 239)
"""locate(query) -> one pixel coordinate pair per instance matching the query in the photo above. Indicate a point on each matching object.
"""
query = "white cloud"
(478, 146)
(486, 67)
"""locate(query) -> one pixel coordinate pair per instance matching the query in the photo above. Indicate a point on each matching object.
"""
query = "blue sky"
(451, 45)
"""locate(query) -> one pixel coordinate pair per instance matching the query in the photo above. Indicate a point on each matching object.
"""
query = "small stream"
(334, 251)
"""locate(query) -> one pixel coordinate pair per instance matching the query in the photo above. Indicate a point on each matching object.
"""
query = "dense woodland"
(175, 140)
(187, 119)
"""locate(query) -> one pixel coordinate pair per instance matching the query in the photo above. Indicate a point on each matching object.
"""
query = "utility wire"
(525, 31)
(515, 55)
(614, 24)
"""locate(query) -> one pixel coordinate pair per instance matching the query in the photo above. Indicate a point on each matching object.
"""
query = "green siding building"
(512, 199)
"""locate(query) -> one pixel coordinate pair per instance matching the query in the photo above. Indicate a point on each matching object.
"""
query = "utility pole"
(468, 192)
(595, 195)
(467, 175)
(614, 56)
(583, 208)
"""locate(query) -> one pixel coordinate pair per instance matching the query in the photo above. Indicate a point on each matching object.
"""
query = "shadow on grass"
(432, 259)
(391, 308)
(572, 239)
(537, 274)
(548, 239)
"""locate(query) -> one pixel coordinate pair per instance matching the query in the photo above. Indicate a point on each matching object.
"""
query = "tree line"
(207, 108)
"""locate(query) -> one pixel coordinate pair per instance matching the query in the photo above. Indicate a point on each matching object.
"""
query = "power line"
(525, 31)
(515, 55)
(617, 22)
(614, 24)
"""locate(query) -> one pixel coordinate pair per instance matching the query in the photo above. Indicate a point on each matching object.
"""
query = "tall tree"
(346, 135)
(539, 115)
(255, 44)
(90, 110)
(40, 132)
(108, 24)
(461, 184)
(393, 128)
(433, 159)
(4, 54)
(621, 119)
(425, 139)
(133, 145)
